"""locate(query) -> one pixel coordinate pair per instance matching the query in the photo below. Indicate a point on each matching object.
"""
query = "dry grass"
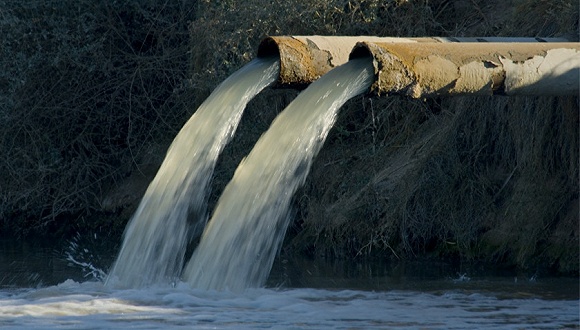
(494, 184)
(85, 89)
(486, 178)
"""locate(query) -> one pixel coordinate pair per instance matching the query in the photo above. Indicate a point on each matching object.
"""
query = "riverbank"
(93, 95)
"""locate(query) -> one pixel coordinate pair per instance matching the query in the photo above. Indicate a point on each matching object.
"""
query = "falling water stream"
(239, 243)
(174, 205)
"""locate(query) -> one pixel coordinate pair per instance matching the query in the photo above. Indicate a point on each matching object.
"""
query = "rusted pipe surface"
(430, 69)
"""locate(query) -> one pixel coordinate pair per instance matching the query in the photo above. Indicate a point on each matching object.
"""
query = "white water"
(404, 296)
(174, 205)
(239, 243)
(91, 305)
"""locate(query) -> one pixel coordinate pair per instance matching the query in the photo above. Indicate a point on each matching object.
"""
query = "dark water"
(423, 276)
(40, 263)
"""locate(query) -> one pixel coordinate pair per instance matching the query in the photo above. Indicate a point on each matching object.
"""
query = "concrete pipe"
(304, 59)
(430, 69)
(500, 39)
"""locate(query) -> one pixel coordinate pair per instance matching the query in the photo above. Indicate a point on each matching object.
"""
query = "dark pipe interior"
(359, 51)
(268, 47)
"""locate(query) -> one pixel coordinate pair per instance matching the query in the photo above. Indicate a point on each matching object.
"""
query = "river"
(44, 285)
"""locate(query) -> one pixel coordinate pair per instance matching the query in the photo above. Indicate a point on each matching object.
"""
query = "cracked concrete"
(431, 69)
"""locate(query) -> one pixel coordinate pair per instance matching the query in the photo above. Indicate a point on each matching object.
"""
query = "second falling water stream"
(239, 244)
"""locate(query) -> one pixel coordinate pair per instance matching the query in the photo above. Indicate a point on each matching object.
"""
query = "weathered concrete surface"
(430, 69)
(304, 59)
(500, 39)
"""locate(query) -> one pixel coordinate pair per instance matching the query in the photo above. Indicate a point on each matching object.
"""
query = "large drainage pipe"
(304, 59)
(431, 69)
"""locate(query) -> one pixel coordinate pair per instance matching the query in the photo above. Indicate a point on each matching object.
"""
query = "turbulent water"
(175, 202)
(91, 305)
(239, 243)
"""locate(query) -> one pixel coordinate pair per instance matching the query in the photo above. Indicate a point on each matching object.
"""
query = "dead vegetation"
(85, 89)
(494, 184)
(91, 95)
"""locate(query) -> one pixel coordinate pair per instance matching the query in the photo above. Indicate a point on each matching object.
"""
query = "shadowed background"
(92, 94)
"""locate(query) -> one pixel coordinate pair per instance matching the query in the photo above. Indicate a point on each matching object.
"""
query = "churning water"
(174, 205)
(239, 244)
(302, 294)
(72, 305)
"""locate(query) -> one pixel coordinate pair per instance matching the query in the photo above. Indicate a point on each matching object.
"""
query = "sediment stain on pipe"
(304, 59)
(429, 69)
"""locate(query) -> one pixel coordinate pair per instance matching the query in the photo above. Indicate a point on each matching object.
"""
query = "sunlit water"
(174, 205)
(239, 243)
(42, 288)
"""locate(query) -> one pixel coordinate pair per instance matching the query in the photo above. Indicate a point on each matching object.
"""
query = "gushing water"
(174, 204)
(239, 243)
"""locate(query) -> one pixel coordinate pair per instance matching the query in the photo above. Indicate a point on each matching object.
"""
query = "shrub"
(85, 88)
(91, 94)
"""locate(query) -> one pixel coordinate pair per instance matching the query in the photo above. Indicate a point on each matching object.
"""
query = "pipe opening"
(268, 48)
(360, 50)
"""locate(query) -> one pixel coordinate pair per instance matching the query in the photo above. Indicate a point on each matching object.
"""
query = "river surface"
(48, 285)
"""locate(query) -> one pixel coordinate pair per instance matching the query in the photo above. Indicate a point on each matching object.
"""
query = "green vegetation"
(91, 95)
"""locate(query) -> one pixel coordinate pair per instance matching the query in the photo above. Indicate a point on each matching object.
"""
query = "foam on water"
(174, 204)
(72, 305)
(239, 243)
